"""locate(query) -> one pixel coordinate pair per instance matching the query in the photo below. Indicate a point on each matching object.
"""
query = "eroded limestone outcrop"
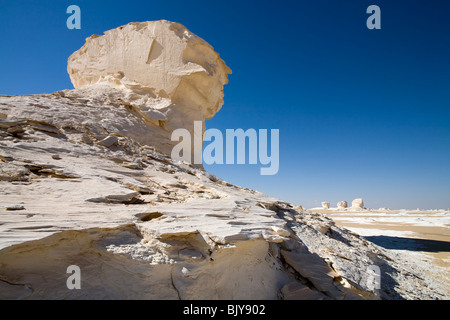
(325, 205)
(342, 204)
(159, 69)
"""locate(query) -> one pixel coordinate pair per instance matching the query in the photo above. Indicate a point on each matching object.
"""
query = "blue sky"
(362, 113)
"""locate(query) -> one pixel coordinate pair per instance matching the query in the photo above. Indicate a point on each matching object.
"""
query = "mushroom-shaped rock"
(358, 203)
(159, 70)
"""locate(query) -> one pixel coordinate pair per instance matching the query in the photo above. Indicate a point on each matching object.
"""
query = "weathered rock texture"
(85, 180)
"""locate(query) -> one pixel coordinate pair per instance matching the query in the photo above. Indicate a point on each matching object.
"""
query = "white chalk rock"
(325, 205)
(358, 203)
(159, 58)
(342, 204)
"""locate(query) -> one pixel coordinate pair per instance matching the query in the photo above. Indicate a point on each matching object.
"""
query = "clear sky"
(361, 113)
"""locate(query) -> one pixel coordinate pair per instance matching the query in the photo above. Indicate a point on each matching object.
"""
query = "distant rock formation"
(86, 180)
(325, 205)
(358, 203)
(158, 69)
(342, 204)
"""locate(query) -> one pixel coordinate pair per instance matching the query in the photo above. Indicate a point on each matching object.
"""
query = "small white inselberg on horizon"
(87, 181)
(163, 71)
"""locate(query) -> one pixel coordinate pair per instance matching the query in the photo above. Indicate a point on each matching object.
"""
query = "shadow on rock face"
(410, 244)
